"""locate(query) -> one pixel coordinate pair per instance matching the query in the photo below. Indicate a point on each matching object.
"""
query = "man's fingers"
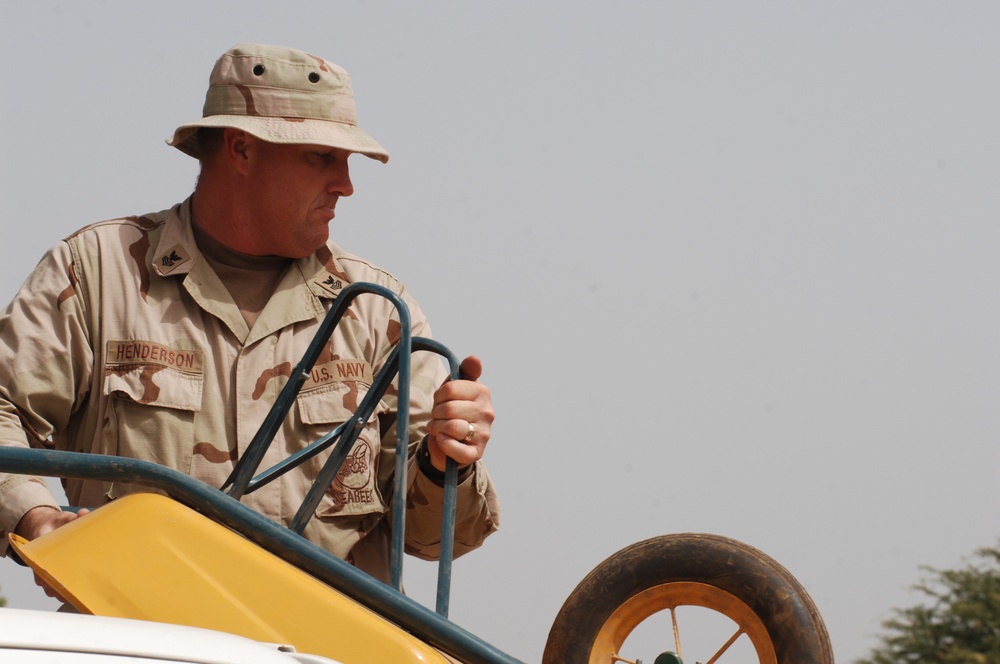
(446, 446)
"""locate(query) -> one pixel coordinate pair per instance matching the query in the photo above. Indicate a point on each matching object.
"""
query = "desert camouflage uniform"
(124, 341)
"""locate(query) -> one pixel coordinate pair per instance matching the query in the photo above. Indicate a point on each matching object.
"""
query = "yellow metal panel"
(146, 556)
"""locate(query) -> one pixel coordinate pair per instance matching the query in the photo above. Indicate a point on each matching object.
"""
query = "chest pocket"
(354, 491)
(150, 416)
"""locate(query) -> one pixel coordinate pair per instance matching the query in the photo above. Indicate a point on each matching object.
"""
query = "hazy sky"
(731, 266)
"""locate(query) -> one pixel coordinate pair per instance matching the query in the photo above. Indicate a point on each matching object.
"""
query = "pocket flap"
(332, 404)
(156, 386)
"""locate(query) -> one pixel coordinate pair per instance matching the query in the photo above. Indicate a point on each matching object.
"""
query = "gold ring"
(472, 432)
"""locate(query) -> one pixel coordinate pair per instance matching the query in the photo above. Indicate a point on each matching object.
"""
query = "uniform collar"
(176, 251)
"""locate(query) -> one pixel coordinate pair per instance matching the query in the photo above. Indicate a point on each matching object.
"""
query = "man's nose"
(340, 181)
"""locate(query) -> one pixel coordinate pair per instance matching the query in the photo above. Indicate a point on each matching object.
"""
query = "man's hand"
(40, 520)
(461, 419)
(43, 519)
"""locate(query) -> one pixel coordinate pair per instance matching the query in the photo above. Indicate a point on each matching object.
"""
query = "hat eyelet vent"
(313, 77)
(258, 70)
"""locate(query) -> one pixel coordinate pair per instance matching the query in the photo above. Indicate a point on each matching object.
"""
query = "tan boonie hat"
(280, 95)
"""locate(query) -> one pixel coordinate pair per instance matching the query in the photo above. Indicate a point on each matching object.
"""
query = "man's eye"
(327, 158)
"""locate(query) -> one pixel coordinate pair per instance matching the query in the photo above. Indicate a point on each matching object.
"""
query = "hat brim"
(283, 130)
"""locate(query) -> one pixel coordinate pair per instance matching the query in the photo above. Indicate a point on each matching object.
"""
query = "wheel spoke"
(677, 633)
(724, 648)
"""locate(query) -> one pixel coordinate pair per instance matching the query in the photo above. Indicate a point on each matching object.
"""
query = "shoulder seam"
(142, 222)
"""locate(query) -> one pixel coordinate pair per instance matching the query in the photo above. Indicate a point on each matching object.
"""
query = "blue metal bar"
(402, 450)
(321, 444)
(449, 508)
(217, 505)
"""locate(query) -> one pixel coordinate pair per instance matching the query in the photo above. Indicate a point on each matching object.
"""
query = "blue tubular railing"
(338, 574)
(250, 461)
(224, 506)
(243, 480)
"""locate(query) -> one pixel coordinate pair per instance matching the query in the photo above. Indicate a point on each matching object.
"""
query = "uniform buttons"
(313, 77)
(258, 70)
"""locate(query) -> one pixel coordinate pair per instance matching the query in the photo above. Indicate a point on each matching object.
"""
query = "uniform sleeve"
(477, 516)
(45, 368)
(478, 513)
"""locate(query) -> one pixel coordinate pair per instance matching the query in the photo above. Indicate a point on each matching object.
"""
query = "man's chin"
(315, 243)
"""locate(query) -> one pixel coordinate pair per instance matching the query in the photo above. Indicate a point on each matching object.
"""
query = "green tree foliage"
(958, 624)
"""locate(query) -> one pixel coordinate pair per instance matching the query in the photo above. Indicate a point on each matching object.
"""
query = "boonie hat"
(280, 95)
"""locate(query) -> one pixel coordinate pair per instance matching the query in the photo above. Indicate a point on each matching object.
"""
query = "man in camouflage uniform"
(167, 337)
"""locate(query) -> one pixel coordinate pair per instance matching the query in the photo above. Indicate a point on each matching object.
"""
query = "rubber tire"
(772, 593)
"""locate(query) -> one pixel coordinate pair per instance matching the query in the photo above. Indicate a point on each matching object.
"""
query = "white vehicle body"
(40, 637)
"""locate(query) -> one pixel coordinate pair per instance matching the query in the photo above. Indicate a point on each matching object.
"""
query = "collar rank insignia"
(331, 284)
(171, 259)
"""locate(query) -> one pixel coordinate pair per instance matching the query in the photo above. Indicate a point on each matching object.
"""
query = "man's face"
(290, 194)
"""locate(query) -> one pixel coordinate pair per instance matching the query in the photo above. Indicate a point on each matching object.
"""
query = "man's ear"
(235, 146)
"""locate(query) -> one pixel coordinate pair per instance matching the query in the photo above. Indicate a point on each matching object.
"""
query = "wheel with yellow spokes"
(741, 602)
